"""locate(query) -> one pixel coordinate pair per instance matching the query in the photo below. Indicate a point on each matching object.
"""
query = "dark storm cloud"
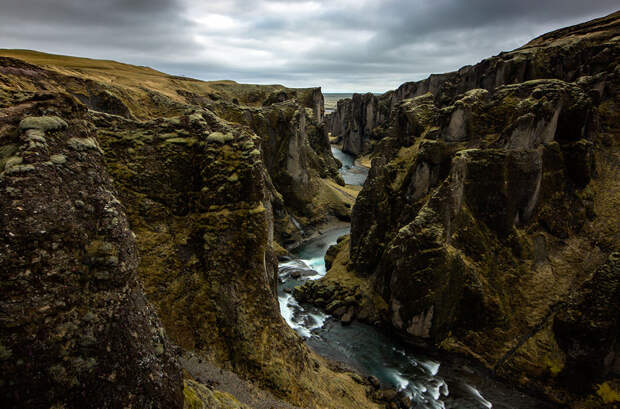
(112, 13)
(341, 45)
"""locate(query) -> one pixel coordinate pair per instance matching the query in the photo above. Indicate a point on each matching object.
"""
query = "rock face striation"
(566, 54)
(76, 329)
(298, 159)
(489, 222)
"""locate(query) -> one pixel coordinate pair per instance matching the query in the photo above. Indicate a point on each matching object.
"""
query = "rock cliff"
(167, 195)
(298, 158)
(567, 54)
(290, 121)
(488, 223)
(76, 329)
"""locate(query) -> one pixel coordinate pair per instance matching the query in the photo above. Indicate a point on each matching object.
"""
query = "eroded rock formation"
(187, 211)
(568, 54)
(301, 168)
(76, 330)
(488, 215)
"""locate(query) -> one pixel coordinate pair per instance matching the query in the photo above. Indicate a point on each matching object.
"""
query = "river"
(429, 383)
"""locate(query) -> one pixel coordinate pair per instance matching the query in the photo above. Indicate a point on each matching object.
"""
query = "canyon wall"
(192, 198)
(76, 329)
(488, 225)
(565, 54)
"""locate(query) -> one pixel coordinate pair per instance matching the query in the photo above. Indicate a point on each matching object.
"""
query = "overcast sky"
(341, 45)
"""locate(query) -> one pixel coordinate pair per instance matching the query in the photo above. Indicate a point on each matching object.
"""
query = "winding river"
(428, 383)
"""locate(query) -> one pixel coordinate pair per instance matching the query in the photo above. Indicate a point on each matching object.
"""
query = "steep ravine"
(171, 202)
(488, 225)
(407, 376)
(141, 227)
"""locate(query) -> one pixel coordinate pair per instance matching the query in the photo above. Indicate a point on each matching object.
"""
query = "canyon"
(169, 242)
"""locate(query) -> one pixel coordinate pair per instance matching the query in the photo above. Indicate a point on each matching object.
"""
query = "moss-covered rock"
(342, 292)
(43, 123)
(199, 396)
(578, 54)
(77, 322)
(296, 153)
(488, 207)
(587, 329)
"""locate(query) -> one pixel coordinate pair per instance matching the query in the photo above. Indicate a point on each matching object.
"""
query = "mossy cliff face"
(298, 158)
(487, 222)
(76, 329)
(195, 196)
(567, 54)
(199, 199)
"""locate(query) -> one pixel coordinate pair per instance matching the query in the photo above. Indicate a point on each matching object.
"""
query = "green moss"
(58, 159)
(233, 178)
(12, 161)
(219, 137)
(19, 169)
(44, 123)
(608, 393)
(199, 396)
(554, 367)
(6, 152)
(173, 121)
(181, 141)
(101, 248)
(83, 144)
(191, 398)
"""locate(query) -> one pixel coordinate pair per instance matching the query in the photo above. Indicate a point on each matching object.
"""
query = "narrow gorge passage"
(428, 383)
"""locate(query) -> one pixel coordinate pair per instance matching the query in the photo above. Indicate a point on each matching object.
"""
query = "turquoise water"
(358, 345)
(430, 384)
(351, 173)
(364, 347)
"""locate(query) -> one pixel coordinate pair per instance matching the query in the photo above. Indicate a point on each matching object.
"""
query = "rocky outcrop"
(298, 158)
(195, 191)
(567, 54)
(488, 213)
(343, 293)
(200, 203)
(75, 330)
(358, 121)
(587, 329)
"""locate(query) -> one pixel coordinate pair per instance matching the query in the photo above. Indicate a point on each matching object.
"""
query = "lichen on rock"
(77, 323)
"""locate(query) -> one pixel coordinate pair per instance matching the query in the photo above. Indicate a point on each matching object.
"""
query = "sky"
(340, 45)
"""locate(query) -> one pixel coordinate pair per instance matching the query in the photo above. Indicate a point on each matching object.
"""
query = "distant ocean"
(331, 99)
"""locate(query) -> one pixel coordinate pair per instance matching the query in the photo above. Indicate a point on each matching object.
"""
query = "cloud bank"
(341, 45)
